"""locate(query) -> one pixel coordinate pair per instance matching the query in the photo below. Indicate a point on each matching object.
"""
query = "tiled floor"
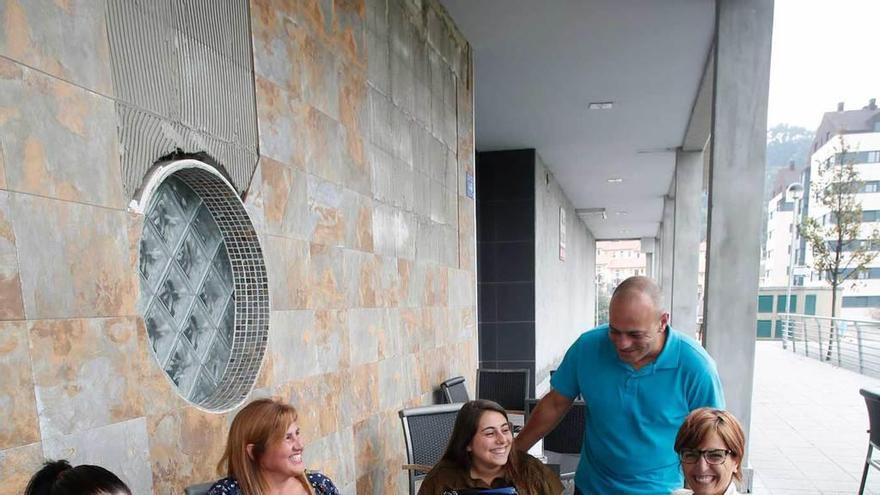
(809, 425)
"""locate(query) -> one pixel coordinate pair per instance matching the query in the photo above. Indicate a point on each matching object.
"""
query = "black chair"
(509, 388)
(426, 431)
(200, 489)
(563, 444)
(872, 400)
(454, 390)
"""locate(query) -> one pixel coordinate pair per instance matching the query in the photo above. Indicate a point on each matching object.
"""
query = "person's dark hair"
(60, 478)
(466, 423)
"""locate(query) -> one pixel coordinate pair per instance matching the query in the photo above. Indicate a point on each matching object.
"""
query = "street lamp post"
(793, 193)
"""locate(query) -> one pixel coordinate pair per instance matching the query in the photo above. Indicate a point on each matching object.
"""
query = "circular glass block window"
(204, 296)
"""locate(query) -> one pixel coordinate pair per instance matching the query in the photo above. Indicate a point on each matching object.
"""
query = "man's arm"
(546, 415)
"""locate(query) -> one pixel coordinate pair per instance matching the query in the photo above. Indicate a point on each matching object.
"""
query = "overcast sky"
(824, 51)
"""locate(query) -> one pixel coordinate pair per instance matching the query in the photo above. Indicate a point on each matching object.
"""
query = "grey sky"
(824, 51)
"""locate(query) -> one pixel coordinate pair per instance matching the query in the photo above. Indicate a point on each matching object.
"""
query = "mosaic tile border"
(250, 280)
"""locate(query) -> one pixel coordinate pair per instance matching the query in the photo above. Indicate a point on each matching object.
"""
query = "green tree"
(841, 250)
(602, 302)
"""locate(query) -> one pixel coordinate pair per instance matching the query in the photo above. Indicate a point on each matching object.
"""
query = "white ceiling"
(539, 63)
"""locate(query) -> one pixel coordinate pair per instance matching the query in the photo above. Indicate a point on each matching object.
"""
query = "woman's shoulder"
(536, 471)
(529, 461)
(226, 486)
(322, 484)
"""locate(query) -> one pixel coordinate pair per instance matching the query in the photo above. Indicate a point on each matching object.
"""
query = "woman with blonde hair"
(264, 455)
(710, 445)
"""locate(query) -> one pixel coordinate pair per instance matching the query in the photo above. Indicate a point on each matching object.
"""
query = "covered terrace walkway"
(809, 423)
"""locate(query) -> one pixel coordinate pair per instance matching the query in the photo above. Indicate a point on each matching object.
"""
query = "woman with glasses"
(710, 445)
(480, 458)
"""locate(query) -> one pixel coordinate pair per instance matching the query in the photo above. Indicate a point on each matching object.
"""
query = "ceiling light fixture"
(591, 212)
(614, 180)
(601, 105)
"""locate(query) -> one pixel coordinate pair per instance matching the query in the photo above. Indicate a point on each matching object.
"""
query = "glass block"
(227, 324)
(223, 267)
(207, 229)
(183, 366)
(214, 294)
(153, 257)
(199, 331)
(165, 216)
(218, 359)
(204, 386)
(186, 199)
(191, 258)
(175, 294)
(161, 331)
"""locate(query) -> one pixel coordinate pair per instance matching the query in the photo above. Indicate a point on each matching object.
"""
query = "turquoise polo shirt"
(632, 416)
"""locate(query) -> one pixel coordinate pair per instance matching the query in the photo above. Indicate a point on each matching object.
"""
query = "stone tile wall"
(365, 118)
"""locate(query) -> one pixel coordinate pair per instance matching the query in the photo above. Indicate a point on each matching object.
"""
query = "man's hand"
(546, 415)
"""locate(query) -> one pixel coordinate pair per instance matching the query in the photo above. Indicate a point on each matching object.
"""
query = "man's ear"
(250, 451)
(664, 320)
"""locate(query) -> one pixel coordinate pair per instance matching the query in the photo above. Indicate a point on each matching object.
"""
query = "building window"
(810, 304)
(765, 304)
(861, 301)
(764, 328)
(204, 292)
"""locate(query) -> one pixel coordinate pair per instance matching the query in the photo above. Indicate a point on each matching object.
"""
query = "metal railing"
(851, 344)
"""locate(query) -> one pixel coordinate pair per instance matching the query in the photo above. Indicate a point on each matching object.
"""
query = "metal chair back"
(426, 431)
(568, 436)
(509, 388)
(872, 401)
(454, 390)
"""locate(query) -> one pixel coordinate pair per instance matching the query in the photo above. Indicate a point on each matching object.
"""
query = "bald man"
(639, 379)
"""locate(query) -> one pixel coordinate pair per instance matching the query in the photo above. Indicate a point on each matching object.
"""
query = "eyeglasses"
(712, 456)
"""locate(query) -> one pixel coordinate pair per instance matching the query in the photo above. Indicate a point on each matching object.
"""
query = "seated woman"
(710, 445)
(60, 478)
(264, 454)
(480, 455)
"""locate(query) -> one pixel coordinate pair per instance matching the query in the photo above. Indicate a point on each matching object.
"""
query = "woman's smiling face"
(284, 457)
(710, 479)
(490, 446)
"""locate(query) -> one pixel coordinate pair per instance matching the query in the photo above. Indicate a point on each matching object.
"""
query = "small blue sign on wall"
(469, 185)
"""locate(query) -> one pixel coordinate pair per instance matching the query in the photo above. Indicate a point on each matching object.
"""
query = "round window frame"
(249, 275)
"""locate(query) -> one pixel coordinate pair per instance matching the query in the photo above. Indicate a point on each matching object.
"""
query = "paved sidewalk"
(809, 426)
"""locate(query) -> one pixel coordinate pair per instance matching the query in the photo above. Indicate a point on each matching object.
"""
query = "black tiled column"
(506, 259)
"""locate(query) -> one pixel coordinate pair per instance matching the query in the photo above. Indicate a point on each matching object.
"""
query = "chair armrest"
(416, 467)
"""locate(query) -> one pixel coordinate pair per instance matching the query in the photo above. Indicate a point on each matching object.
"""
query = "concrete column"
(686, 243)
(736, 181)
(666, 249)
(648, 246)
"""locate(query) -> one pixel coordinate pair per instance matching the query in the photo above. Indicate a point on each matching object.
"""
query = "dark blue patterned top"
(321, 484)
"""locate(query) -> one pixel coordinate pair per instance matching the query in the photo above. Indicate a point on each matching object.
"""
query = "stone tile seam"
(61, 200)
(57, 78)
(33, 373)
(3, 163)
